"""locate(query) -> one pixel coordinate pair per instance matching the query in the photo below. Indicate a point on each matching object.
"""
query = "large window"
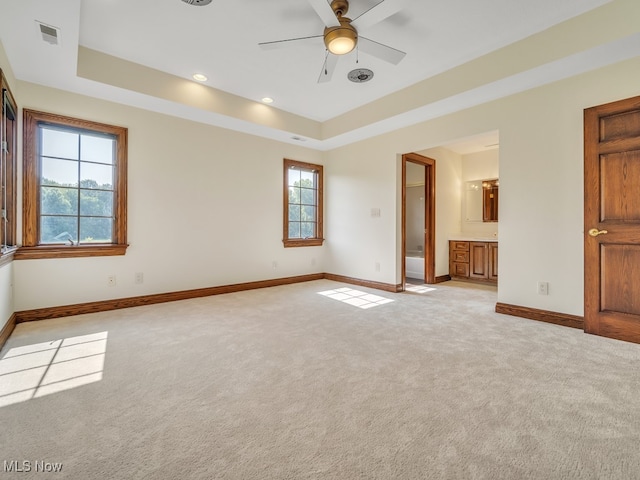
(302, 204)
(8, 144)
(74, 187)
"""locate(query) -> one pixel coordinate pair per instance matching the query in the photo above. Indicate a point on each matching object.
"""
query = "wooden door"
(612, 220)
(478, 260)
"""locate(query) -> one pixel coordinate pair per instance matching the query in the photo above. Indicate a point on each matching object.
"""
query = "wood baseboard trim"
(387, 287)
(7, 329)
(563, 319)
(443, 278)
(119, 303)
(107, 305)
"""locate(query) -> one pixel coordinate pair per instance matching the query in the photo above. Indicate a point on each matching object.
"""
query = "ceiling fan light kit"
(341, 40)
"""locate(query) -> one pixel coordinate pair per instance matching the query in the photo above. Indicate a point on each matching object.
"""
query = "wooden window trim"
(318, 240)
(31, 249)
(11, 182)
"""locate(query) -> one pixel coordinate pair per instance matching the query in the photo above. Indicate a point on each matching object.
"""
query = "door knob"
(594, 232)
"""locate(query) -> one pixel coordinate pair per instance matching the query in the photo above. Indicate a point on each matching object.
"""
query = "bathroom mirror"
(481, 200)
(490, 200)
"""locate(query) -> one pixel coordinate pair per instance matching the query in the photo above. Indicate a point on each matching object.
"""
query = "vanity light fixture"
(199, 77)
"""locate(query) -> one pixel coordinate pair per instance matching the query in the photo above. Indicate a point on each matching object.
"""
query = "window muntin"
(303, 204)
(75, 183)
(76, 186)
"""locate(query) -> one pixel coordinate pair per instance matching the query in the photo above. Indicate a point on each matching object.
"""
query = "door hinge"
(5, 147)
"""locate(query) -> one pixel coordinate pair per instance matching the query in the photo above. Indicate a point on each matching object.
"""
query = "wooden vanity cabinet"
(474, 261)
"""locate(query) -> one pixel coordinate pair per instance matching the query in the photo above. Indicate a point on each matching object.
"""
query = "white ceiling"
(221, 41)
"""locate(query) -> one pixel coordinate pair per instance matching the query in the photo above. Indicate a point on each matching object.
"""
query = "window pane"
(294, 229)
(97, 148)
(97, 203)
(307, 229)
(96, 176)
(59, 172)
(308, 196)
(56, 143)
(58, 201)
(294, 176)
(58, 229)
(96, 230)
(294, 213)
(308, 214)
(294, 195)
(307, 178)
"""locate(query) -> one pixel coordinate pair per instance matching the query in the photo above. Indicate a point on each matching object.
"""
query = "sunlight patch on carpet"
(418, 288)
(41, 369)
(356, 297)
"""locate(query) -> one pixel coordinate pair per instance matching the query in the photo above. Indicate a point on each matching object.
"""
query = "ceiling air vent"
(49, 33)
(197, 3)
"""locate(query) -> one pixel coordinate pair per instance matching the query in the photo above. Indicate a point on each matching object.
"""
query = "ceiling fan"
(341, 33)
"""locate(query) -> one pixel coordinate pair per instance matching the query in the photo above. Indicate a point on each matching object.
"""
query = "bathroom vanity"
(473, 259)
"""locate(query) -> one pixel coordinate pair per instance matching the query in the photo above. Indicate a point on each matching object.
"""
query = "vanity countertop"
(465, 237)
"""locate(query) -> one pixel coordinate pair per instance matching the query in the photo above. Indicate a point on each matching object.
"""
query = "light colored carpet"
(284, 383)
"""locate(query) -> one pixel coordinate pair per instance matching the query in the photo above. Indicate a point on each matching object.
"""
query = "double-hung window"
(74, 187)
(303, 204)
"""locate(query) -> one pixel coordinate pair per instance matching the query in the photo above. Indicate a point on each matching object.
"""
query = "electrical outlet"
(313, 262)
(376, 266)
(274, 264)
(139, 278)
(111, 280)
(543, 288)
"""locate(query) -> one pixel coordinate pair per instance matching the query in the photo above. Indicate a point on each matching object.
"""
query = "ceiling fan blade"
(325, 12)
(377, 13)
(287, 42)
(381, 51)
(329, 66)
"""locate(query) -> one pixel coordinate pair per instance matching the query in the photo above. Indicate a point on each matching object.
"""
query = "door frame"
(429, 215)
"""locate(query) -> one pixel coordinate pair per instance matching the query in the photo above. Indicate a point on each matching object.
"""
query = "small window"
(8, 160)
(74, 187)
(302, 204)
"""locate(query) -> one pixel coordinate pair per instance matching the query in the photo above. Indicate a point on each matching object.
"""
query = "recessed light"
(200, 77)
(267, 100)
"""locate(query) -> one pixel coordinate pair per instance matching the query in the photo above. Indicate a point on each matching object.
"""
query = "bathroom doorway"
(418, 219)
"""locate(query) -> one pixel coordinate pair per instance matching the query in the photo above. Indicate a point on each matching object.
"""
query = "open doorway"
(418, 219)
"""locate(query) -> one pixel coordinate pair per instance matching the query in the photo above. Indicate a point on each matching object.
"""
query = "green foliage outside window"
(81, 215)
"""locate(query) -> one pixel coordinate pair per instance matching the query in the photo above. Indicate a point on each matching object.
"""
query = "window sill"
(299, 242)
(69, 251)
(7, 257)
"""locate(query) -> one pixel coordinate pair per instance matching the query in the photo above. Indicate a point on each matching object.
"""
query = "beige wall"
(541, 204)
(205, 203)
(204, 209)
